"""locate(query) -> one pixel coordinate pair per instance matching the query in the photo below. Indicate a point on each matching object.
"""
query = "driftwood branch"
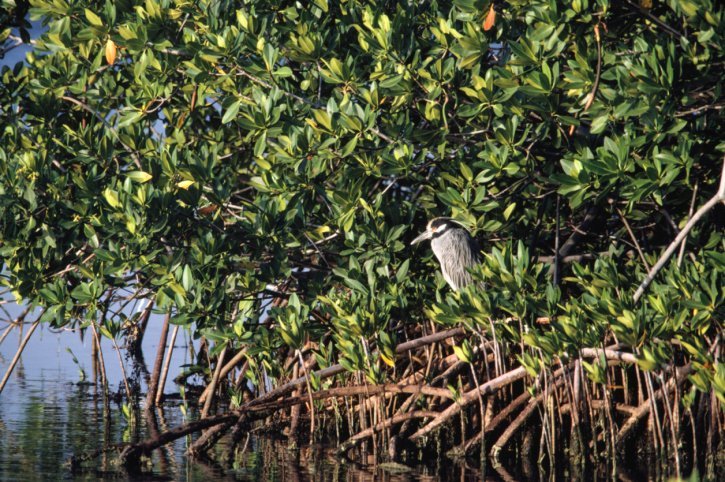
(218, 424)
(268, 402)
(131, 454)
(349, 392)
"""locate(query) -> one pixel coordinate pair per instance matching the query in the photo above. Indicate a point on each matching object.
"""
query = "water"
(49, 412)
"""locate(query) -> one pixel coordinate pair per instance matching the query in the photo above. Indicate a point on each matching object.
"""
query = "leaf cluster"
(214, 156)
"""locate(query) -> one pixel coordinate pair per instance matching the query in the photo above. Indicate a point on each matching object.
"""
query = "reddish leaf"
(490, 19)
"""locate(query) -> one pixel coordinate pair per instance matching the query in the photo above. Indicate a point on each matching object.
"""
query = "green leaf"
(94, 19)
(187, 280)
(402, 271)
(283, 72)
(232, 111)
(599, 124)
(466, 172)
(349, 147)
(128, 118)
(111, 197)
(139, 176)
(507, 212)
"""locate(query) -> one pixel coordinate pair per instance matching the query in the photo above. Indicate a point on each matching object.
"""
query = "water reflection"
(47, 415)
(44, 419)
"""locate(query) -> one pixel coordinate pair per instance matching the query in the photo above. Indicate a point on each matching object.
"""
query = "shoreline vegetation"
(253, 172)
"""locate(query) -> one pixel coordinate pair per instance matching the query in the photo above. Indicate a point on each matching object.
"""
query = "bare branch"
(719, 197)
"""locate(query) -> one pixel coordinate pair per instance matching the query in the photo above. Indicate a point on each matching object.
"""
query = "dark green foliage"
(215, 155)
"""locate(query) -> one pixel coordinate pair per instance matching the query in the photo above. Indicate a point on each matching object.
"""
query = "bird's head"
(437, 227)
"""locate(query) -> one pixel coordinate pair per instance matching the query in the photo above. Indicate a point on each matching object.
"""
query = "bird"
(455, 249)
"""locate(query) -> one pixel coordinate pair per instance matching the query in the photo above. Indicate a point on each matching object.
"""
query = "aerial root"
(416, 403)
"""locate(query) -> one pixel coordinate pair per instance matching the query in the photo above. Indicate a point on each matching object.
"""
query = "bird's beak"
(427, 234)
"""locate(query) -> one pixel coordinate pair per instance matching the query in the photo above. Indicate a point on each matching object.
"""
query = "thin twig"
(597, 77)
(590, 96)
(108, 125)
(673, 425)
(644, 409)
(225, 371)
(689, 216)
(13, 324)
(697, 110)
(129, 394)
(634, 238)
(656, 20)
(154, 381)
(101, 361)
(214, 382)
(309, 391)
(557, 254)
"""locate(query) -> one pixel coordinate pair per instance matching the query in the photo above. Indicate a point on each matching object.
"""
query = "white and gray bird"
(455, 249)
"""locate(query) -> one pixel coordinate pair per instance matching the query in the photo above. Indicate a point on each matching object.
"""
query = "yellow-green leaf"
(139, 176)
(93, 18)
(111, 197)
(508, 211)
